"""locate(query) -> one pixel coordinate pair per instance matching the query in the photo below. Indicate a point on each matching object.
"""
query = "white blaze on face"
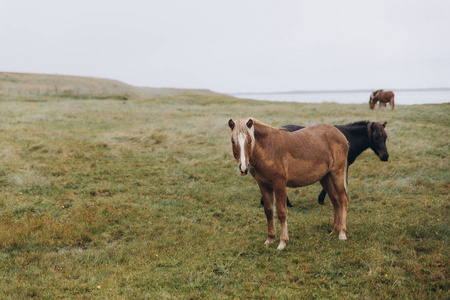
(241, 140)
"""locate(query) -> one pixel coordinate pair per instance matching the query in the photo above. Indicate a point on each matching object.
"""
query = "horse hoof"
(342, 236)
(268, 242)
(281, 246)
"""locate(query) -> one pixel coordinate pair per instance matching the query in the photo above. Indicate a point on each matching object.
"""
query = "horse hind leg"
(336, 189)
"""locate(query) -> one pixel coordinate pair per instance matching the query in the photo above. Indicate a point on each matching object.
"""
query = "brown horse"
(382, 97)
(277, 158)
(360, 135)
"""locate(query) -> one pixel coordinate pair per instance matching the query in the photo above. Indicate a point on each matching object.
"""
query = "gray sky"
(232, 46)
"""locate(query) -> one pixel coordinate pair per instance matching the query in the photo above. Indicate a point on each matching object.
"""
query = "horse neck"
(358, 138)
(264, 140)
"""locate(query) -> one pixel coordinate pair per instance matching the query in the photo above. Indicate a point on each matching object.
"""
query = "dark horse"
(382, 97)
(277, 159)
(360, 135)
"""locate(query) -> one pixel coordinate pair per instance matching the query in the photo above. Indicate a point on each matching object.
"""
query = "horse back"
(384, 96)
(318, 142)
(314, 151)
(389, 94)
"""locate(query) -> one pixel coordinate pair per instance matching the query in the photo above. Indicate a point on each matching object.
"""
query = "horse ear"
(250, 123)
(384, 124)
(231, 124)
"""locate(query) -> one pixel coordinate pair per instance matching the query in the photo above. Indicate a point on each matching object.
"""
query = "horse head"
(373, 100)
(378, 136)
(242, 142)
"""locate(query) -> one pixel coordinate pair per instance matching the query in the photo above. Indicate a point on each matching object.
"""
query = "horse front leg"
(280, 197)
(267, 198)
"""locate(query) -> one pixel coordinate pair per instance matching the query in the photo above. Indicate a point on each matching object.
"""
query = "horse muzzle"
(384, 157)
(243, 171)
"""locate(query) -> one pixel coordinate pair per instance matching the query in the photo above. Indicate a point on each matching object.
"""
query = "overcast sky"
(232, 45)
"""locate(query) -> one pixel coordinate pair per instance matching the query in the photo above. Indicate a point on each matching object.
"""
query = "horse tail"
(392, 102)
(347, 165)
(346, 175)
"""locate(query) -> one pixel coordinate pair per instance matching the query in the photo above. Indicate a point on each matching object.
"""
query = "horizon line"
(338, 91)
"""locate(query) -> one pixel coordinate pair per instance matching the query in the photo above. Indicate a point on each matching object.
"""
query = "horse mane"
(378, 127)
(258, 130)
(352, 128)
(241, 127)
(358, 123)
(376, 92)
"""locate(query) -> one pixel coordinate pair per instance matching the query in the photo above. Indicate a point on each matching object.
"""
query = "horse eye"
(232, 142)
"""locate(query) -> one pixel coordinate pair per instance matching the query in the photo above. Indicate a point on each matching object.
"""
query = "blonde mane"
(241, 127)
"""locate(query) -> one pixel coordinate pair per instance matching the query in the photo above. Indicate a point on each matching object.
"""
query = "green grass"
(103, 198)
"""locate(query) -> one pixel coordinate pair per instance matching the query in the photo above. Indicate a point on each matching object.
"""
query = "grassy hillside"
(37, 85)
(142, 199)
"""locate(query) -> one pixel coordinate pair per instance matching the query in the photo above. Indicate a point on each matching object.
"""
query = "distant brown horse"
(277, 158)
(382, 97)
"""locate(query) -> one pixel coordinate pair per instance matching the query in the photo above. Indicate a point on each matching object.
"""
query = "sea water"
(402, 97)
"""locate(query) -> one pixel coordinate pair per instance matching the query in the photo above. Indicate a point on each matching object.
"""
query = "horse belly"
(306, 173)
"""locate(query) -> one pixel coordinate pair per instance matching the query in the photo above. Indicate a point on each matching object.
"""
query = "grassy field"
(30, 86)
(105, 198)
